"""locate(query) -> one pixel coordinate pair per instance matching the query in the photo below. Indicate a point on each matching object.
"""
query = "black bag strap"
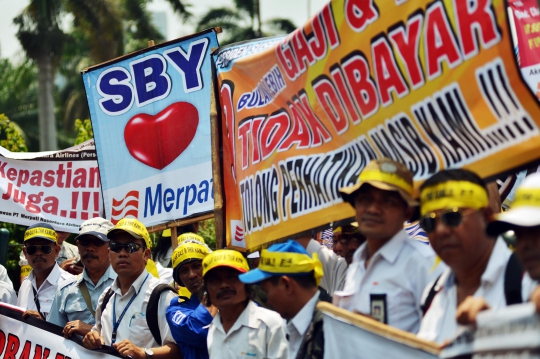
(108, 296)
(86, 296)
(152, 310)
(36, 300)
(432, 292)
(512, 281)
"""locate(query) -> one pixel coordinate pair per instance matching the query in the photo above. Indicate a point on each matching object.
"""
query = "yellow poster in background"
(432, 84)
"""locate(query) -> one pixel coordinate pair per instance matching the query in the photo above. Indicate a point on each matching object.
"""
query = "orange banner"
(432, 84)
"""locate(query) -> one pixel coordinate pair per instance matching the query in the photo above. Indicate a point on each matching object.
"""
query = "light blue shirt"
(69, 304)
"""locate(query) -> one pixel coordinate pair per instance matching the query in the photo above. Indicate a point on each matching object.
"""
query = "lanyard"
(36, 300)
(116, 324)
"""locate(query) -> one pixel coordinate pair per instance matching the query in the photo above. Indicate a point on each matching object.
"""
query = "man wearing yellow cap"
(187, 317)
(37, 291)
(241, 329)
(390, 270)
(290, 277)
(454, 213)
(122, 318)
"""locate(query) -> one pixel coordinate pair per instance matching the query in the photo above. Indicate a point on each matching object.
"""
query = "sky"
(298, 11)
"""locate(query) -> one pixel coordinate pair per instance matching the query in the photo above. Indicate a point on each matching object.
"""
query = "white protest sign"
(61, 188)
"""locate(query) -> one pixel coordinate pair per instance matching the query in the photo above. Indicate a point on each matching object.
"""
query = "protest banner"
(526, 21)
(511, 332)
(61, 188)
(150, 112)
(432, 84)
(350, 335)
(38, 339)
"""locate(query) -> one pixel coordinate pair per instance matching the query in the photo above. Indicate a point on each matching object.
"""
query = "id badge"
(378, 307)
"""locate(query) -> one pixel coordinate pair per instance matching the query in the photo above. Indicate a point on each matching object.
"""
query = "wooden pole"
(179, 222)
(174, 237)
(216, 168)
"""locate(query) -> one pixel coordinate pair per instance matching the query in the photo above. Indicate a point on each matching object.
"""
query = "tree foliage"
(10, 136)
(84, 131)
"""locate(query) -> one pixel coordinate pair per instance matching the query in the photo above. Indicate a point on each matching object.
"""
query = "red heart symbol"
(158, 140)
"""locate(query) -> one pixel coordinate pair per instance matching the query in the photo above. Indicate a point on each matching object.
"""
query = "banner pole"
(174, 237)
(216, 165)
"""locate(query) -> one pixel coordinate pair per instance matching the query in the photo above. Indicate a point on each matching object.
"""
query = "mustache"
(225, 292)
(38, 259)
(90, 255)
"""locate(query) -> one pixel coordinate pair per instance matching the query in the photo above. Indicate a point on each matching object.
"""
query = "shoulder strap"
(432, 292)
(86, 296)
(36, 301)
(108, 296)
(512, 281)
(152, 310)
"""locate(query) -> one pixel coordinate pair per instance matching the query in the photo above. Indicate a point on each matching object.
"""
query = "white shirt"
(334, 266)
(165, 274)
(257, 333)
(439, 322)
(133, 326)
(7, 294)
(45, 293)
(4, 277)
(399, 270)
(297, 326)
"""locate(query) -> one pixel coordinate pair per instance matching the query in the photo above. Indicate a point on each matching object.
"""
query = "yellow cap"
(225, 258)
(41, 230)
(190, 236)
(188, 251)
(166, 233)
(134, 228)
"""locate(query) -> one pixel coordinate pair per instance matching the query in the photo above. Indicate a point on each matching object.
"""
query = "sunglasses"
(452, 218)
(45, 249)
(129, 247)
(85, 242)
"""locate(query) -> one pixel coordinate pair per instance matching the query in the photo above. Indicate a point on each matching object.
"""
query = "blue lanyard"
(116, 324)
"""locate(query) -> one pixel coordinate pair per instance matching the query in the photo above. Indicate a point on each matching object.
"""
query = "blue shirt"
(189, 321)
(69, 304)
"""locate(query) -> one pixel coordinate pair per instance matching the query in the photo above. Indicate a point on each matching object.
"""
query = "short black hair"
(306, 281)
(453, 175)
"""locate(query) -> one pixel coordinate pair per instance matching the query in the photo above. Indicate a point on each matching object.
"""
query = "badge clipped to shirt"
(378, 307)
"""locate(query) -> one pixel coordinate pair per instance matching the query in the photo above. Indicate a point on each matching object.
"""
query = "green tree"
(84, 131)
(99, 24)
(243, 22)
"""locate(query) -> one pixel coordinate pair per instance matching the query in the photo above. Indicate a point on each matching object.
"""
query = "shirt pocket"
(138, 329)
(78, 310)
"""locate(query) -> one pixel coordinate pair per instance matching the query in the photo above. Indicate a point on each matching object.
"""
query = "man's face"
(224, 288)
(93, 252)
(62, 236)
(528, 249)
(380, 214)
(276, 296)
(191, 275)
(463, 245)
(39, 261)
(124, 263)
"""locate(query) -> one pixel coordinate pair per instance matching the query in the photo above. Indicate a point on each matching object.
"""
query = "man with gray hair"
(75, 303)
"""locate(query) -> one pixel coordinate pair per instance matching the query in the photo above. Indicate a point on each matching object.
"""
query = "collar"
(247, 318)
(53, 278)
(302, 319)
(136, 285)
(109, 274)
(497, 262)
(390, 251)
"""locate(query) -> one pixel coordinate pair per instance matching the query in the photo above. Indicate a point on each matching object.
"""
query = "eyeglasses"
(45, 249)
(129, 247)
(86, 241)
(452, 218)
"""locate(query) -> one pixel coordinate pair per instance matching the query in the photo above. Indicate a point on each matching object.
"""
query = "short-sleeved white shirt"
(334, 266)
(297, 326)
(257, 333)
(400, 270)
(57, 277)
(439, 322)
(133, 326)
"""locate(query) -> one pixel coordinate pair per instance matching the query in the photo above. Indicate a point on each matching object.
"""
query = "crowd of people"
(215, 305)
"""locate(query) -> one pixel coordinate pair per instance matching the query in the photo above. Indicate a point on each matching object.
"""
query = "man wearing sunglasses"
(455, 212)
(38, 289)
(121, 319)
(75, 303)
(390, 270)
